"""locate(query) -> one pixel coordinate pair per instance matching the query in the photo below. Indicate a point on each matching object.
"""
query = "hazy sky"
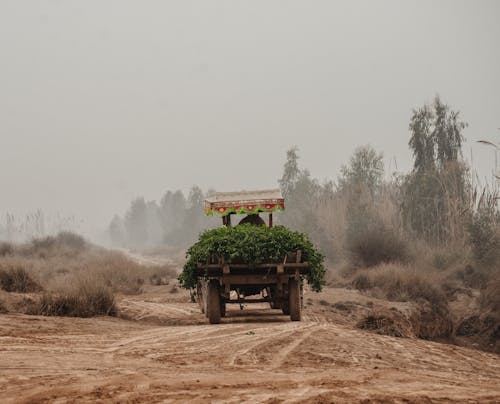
(101, 101)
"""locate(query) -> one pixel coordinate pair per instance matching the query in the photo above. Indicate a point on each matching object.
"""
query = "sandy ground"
(164, 351)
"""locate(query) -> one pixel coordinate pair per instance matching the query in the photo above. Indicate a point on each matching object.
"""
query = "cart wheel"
(285, 307)
(222, 308)
(213, 302)
(294, 292)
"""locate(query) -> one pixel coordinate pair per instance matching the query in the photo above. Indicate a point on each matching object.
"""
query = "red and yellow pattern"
(227, 209)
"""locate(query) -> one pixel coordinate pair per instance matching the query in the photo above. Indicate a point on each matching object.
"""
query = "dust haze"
(375, 125)
(102, 102)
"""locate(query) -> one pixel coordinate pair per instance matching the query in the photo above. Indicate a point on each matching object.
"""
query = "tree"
(117, 231)
(136, 222)
(291, 172)
(436, 136)
(435, 193)
(153, 222)
(365, 170)
(172, 212)
(303, 194)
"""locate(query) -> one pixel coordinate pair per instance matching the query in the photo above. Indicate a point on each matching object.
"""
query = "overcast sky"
(101, 101)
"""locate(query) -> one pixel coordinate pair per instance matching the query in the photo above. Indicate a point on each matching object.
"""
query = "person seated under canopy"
(254, 219)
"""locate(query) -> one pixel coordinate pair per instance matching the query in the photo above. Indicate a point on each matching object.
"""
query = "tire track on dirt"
(266, 340)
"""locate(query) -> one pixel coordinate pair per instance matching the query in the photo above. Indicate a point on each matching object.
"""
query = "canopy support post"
(270, 220)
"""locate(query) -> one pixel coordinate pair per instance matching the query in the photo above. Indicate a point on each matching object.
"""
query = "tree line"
(176, 220)
(436, 202)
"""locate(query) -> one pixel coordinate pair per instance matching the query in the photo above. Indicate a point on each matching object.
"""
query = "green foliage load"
(252, 245)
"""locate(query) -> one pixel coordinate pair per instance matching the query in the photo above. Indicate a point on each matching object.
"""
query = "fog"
(103, 101)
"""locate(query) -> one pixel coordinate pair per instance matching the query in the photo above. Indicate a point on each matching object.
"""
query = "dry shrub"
(400, 283)
(473, 278)
(484, 237)
(376, 244)
(112, 269)
(162, 275)
(63, 244)
(405, 283)
(6, 249)
(3, 308)
(17, 279)
(118, 273)
(490, 298)
(386, 323)
(483, 327)
(446, 258)
(88, 298)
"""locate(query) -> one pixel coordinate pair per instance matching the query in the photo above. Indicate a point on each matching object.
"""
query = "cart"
(220, 283)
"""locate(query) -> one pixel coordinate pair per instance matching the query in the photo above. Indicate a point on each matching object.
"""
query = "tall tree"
(291, 172)
(136, 222)
(117, 231)
(365, 170)
(435, 193)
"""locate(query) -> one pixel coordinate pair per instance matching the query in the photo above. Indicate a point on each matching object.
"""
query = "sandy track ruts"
(253, 356)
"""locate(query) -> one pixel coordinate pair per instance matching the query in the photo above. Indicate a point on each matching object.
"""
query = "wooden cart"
(220, 283)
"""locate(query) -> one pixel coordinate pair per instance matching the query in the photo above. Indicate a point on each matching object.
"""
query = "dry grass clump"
(6, 249)
(401, 283)
(123, 275)
(490, 297)
(88, 298)
(63, 244)
(484, 237)
(376, 245)
(407, 284)
(3, 308)
(386, 324)
(117, 272)
(17, 279)
(162, 275)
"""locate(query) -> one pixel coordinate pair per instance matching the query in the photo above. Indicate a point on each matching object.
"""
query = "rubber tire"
(294, 294)
(222, 309)
(285, 307)
(213, 302)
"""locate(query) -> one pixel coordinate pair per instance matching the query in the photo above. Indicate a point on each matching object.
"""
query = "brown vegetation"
(86, 299)
(78, 279)
(17, 279)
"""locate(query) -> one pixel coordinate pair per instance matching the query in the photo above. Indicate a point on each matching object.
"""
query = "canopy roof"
(244, 202)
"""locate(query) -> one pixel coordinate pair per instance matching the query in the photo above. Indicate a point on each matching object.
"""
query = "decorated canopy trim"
(247, 209)
(244, 202)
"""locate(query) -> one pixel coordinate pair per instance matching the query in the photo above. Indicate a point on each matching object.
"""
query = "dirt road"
(165, 352)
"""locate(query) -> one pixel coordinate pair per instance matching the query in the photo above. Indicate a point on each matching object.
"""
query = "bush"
(362, 282)
(87, 299)
(490, 297)
(162, 275)
(64, 243)
(253, 245)
(401, 284)
(17, 279)
(485, 237)
(3, 308)
(376, 244)
(6, 249)
(384, 324)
